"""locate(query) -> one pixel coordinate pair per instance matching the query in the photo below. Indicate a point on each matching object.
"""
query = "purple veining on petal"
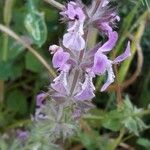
(125, 55)
(73, 41)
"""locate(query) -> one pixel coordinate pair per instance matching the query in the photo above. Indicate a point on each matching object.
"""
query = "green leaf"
(112, 120)
(5, 70)
(3, 144)
(144, 143)
(16, 48)
(32, 63)
(35, 24)
(16, 102)
(10, 70)
(131, 120)
(93, 141)
(125, 115)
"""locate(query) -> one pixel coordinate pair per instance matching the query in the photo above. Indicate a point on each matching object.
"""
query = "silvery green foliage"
(128, 116)
(53, 122)
(51, 125)
(132, 120)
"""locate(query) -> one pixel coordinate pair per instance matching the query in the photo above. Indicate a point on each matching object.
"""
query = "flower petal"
(100, 63)
(110, 78)
(109, 45)
(40, 98)
(87, 92)
(60, 58)
(73, 41)
(60, 83)
(123, 56)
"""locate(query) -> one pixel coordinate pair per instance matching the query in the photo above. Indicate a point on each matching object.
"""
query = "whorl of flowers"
(72, 90)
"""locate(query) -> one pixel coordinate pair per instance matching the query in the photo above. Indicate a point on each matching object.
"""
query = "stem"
(32, 50)
(55, 4)
(118, 140)
(7, 18)
(93, 117)
(74, 82)
(118, 92)
(5, 47)
(1, 90)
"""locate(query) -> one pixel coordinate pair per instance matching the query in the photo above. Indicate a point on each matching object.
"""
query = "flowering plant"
(83, 106)
(72, 90)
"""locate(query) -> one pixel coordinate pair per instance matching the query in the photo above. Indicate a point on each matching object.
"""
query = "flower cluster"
(73, 89)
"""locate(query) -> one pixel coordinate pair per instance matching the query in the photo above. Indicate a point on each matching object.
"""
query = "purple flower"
(87, 90)
(71, 92)
(73, 39)
(103, 17)
(22, 135)
(74, 12)
(103, 64)
(60, 58)
(40, 99)
(60, 83)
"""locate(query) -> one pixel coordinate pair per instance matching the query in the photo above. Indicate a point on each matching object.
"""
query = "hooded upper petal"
(60, 58)
(125, 55)
(110, 44)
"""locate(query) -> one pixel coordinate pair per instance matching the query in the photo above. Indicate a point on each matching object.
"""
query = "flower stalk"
(55, 4)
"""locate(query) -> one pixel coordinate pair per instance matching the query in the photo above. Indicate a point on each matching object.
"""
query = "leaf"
(32, 63)
(3, 145)
(35, 24)
(5, 70)
(16, 102)
(125, 115)
(131, 120)
(112, 120)
(16, 48)
(144, 143)
(93, 141)
(10, 70)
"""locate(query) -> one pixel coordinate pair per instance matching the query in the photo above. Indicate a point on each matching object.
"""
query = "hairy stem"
(55, 4)
(33, 51)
